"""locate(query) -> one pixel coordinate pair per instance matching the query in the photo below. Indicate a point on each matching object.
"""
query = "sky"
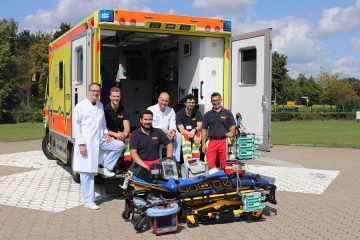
(317, 35)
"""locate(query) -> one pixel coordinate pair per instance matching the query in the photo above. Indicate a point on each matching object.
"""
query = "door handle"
(264, 102)
(201, 89)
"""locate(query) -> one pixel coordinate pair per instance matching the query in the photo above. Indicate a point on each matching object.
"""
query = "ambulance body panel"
(147, 53)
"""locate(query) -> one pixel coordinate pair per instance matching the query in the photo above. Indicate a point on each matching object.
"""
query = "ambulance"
(145, 53)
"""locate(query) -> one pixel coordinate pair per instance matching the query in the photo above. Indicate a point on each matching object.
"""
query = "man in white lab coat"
(91, 138)
(165, 119)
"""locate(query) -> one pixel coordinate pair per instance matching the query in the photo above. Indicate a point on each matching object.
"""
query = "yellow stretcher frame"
(211, 204)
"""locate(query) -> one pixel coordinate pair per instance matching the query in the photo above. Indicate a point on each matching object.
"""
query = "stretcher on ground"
(218, 197)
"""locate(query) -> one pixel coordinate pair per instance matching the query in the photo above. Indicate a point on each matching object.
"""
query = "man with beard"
(189, 122)
(145, 142)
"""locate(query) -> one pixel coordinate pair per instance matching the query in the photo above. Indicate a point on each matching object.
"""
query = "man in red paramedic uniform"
(218, 125)
(145, 142)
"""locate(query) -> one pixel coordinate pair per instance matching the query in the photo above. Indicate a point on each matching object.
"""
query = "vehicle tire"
(192, 225)
(126, 213)
(46, 147)
(75, 175)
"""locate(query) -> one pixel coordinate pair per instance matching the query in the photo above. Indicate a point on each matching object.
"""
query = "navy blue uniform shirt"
(218, 123)
(148, 146)
(189, 123)
(115, 119)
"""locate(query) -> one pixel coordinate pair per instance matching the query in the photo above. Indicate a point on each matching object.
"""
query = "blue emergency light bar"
(106, 16)
(227, 26)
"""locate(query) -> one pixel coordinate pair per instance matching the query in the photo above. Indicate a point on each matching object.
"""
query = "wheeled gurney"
(216, 198)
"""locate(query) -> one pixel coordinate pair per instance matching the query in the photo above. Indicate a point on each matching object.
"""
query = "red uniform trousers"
(151, 162)
(216, 152)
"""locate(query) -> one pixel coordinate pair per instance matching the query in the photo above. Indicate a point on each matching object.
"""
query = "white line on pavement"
(48, 187)
(295, 179)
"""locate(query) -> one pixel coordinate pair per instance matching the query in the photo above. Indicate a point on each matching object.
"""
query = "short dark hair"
(115, 89)
(94, 83)
(189, 97)
(216, 94)
(147, 111)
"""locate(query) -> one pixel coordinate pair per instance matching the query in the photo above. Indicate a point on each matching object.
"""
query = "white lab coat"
(88, 126)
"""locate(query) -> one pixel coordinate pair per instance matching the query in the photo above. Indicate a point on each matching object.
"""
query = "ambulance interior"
(145, 64)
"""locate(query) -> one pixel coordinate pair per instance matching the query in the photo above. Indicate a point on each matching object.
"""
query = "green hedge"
(36, 115)
(284, 116)
(22, 115)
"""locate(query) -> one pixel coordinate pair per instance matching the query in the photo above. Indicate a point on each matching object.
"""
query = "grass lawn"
(331, 133)
(307, 133)
(21, 132)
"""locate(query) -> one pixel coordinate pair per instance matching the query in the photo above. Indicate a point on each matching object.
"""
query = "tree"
(290, 90)
(64, 27)
(308, 87)
(8, 94)
(347, 97)
(325, 78)
(23, 42)
(39, 59)
(355, 83)
(279, 75)
(340, 93)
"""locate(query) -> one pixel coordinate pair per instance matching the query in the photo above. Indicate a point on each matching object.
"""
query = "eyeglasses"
(215, 100)
(95, 91)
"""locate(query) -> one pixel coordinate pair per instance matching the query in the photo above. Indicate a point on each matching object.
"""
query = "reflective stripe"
(127, 156)
(186, 147)
(207, 144)
(189, 149)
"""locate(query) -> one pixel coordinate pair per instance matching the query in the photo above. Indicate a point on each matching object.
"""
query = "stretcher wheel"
(126, 213)
(256, 215)
(140, 223)
(192, 225)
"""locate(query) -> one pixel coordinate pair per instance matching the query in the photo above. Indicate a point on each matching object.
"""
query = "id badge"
(188, 127)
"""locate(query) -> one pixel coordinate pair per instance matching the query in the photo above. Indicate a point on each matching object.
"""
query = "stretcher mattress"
(174, 186)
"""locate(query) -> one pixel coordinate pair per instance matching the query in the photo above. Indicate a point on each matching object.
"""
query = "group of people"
(101, 134)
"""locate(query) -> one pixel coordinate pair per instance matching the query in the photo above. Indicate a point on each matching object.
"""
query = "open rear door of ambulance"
(251, 82)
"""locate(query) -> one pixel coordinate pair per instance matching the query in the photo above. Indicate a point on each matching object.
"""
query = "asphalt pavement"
(317, 199)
